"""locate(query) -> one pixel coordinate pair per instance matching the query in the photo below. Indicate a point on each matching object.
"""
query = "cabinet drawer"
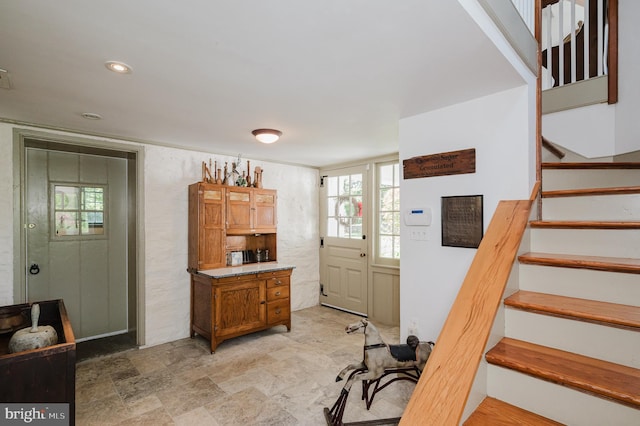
(276, 282)
(279, 292)
(274, 274)
(278, 311)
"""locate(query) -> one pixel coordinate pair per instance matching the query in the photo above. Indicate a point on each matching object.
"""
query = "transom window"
(78, 210)
(388, 246)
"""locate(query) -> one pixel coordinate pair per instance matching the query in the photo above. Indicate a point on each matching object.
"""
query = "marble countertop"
(251, 268)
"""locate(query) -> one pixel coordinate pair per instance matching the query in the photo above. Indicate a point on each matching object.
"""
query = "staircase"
(571, 354)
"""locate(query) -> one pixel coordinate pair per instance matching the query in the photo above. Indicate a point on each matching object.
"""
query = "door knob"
(34, 269)
(363, 254)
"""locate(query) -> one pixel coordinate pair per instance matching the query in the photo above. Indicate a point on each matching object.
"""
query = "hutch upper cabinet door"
(251, 210)
(206, 226)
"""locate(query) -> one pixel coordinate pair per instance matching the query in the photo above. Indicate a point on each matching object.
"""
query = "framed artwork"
(462, 221)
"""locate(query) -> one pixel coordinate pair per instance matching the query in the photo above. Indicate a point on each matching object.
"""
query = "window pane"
(386, 176)
(396, 199)
(92, 199)
(332, 186)
(343, 185)
(386, 199)
(396, 223)
(356, 184)
(386, 246)
(386, 224)
(66, 197)
(93, 223)
(332, 227)
(67, 223)
(356, 228)
(396, 247)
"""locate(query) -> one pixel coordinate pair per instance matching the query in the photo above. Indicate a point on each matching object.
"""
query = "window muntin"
(78, 210)
(344, 206)
(388, 246)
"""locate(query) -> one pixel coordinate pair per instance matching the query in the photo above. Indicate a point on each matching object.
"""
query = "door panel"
(343, 256)
(85, 266)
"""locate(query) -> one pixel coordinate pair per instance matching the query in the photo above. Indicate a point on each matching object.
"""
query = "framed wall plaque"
(462, 221)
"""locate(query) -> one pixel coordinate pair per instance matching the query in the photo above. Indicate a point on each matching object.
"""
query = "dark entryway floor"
(105, 346)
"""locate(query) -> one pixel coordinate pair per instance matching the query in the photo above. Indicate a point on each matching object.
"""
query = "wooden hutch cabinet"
(228, 301)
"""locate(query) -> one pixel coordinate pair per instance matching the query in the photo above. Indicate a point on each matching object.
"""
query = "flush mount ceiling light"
(267, 135)
(119, 67)
(91, 116)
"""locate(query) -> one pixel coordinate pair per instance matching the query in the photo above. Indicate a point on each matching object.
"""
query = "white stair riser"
(557, 402)
(621, 346)
(588, 242)
(554, 179)
(612, 287)
(624, 207)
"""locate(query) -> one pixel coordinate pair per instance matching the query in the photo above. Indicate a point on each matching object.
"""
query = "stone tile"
(199, 416)
(106, 411)
(143, 385)
(143, 405)
(94, 391)
(189, 396)
(249, 407)
(157, 417)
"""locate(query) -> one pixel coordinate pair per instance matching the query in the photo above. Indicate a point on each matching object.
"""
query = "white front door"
(343, 252)
(76, 237)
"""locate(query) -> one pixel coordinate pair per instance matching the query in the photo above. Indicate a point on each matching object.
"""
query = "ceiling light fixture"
(91, 116)
(267, 135)
(118, 67)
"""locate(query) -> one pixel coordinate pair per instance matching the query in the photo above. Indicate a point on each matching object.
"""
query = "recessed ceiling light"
(119, 67)
(91, 116)
(267, 135)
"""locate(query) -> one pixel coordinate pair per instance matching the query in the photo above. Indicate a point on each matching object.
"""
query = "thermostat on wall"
(417, 216)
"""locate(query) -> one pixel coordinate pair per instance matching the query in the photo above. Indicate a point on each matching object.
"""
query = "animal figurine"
(378, 356)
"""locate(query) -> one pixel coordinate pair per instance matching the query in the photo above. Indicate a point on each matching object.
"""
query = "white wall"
(167, 173)
(499, 128)
(605, 130)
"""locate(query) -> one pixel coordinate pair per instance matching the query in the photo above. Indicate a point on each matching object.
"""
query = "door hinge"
(322, 290)
(322, 242)
(322, 180)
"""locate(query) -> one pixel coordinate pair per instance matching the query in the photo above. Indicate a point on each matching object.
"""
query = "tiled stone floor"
(272, 377)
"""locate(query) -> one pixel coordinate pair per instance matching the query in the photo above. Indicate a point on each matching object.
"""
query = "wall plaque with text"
(445, 163)
(462, 221)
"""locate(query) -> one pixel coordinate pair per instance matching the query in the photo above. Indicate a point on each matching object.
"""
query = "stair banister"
(441, 393)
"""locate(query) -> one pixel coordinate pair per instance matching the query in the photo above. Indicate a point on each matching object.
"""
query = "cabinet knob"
(277, 293)
(263, 302)
(278, 282)
(278, 311)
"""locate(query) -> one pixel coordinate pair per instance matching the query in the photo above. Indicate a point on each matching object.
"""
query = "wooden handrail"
(441, 393)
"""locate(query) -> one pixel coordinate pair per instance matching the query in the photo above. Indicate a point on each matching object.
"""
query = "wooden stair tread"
(600, 263)
(583, 224)
(606, 313)
(619, 190)
(493, 412)
(601, 378)
(594, 165)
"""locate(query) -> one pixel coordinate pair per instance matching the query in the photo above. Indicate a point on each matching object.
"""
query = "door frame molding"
(85, 145)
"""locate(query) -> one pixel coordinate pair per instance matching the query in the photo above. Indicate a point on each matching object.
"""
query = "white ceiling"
(334, 76)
